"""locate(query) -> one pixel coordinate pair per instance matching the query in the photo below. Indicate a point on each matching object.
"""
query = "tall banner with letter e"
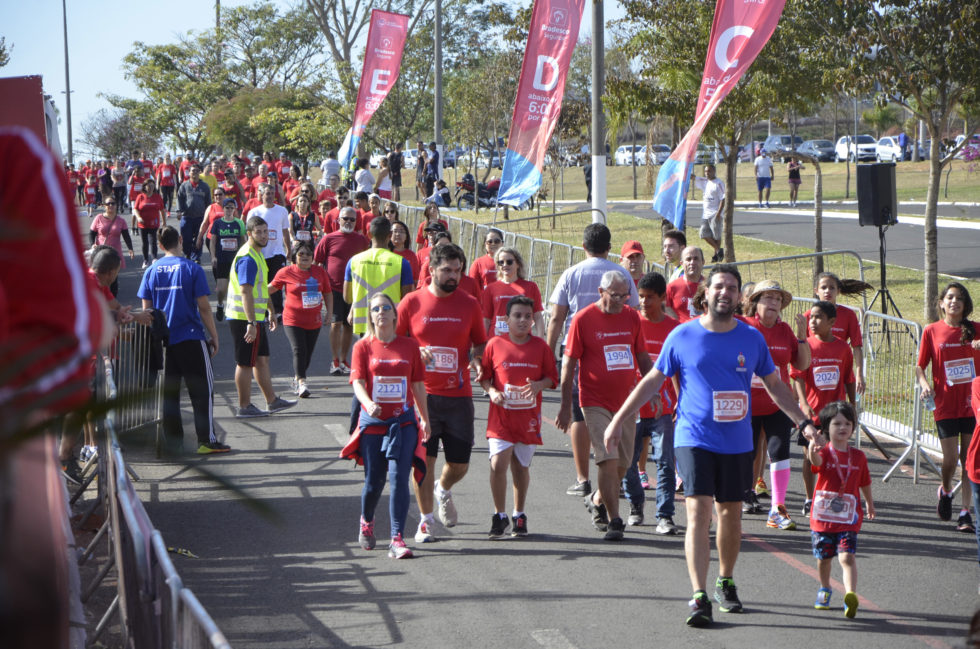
(550, 42)
(738, 33)
(382, 61)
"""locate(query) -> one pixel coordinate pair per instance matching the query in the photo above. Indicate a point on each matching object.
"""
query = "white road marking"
(339, 433)
(551, 639)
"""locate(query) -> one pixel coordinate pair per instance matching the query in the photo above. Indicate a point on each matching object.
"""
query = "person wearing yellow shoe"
(836, 515)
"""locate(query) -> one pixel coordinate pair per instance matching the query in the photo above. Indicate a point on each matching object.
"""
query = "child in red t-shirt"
(91, 194)
(836, 516)
(511, 362)
(830, 376)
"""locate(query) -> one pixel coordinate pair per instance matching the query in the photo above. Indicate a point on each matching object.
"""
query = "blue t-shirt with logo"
(173, 284)
(714, 411)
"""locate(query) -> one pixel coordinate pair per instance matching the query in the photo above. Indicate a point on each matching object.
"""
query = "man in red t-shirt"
(283, 165)
(680, 292)
(606, 337)
(333, 252)
(185, 167)
(448, 325)
(516, 368)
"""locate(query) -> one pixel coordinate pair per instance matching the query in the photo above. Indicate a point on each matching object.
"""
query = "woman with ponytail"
(952, 347)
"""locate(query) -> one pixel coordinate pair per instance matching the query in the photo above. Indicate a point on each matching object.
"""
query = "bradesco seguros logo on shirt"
(606, 335)
(435, 319)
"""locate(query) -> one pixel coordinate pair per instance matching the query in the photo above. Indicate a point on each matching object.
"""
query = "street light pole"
(64, 21)
(437, 103)
(598, 118)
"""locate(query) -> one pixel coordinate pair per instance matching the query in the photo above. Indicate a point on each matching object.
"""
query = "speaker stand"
(883, 293)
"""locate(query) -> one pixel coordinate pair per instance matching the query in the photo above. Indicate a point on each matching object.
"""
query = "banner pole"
(598, 118)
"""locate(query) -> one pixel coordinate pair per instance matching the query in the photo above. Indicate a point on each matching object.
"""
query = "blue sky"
(99, 36)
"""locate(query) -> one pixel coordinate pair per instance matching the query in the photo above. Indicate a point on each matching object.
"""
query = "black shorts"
(777, 427)
(221, 269)
(706, 473)
(340, 308)
(247, 353)
(396, 179)
(451, 422)
(955, 427)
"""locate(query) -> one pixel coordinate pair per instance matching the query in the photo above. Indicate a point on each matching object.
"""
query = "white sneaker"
(424, 533)
(301, 390)
(447, 510)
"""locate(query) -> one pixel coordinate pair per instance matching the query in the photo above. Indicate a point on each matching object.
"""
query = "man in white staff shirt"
(274, 252)
(712, 203)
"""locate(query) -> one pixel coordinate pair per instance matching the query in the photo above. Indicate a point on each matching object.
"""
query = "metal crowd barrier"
(155, 610)
(134, 371)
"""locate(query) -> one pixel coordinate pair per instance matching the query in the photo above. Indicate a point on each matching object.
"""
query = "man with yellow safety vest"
(248, 299)
(376, 270)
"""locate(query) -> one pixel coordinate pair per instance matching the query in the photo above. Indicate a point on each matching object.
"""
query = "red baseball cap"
(631, 248)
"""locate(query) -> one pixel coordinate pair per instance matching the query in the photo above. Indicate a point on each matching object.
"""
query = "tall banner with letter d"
(382, 61)
(550, 42)
(738, 33)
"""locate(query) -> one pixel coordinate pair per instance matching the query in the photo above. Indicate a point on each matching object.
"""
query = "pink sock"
(779, 473)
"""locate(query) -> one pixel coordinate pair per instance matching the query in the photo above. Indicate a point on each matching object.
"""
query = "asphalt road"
(959, 240)
(299, 579)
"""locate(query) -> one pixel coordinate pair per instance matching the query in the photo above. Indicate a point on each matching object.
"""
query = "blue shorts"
(826, 545)
(763, 183)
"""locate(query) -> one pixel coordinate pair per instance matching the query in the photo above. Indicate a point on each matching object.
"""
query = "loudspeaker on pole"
(877, 203)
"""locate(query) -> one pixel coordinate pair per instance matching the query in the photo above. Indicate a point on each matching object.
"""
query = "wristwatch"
(250, 322)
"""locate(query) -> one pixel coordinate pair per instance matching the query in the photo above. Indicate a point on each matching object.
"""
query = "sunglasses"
(109, 203)
(506, 262)
(381, 308)
(348, 219)
(618, 296)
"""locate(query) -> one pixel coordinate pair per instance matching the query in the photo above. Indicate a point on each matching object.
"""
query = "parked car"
(375, 158)
(822, 150)
(624, 154)
(972, 146)
(408, 156)
(777, 145)
(452, 156)
(703, 155)
(844, 149)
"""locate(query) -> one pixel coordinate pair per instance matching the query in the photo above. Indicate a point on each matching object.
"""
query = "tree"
(116, 132)
(881, 118)
(4, 51)
(923, 55)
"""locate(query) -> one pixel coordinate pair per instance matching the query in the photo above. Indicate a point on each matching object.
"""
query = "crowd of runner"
(692, 374)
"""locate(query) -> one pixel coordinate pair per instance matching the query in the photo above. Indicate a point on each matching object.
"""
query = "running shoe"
(779, 519)
(335, 369)
(71, 471)
(212, 447)
(636, 514)
(760, 488)
(424, 533)
(700, 610)
(302, 391)
(344, 368)
(498, 526)
(965, 523)
(447, 510)
(366, 535)
(644, 480)
(768, 205)
(280, 404)
(398, 549)
(520, 525)
(219, 313)
(600, 519)
(250, 411)
(945, 506)
(87, 453)
(850, 604)
(823, 599)
(806, 507)
(146, 265)
(665, 526)
(582, 489)
(751, 504)
(614, 531)
(727, 595)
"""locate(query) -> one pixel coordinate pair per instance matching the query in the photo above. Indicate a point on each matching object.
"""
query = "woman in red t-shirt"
(763, 309)
(484, 269)
(388, 379)
(291, 184)
(953, 348)
(167, 181)
(307, 290)
(431, 216)
(146, 218)
(510, 281)
(399, 245)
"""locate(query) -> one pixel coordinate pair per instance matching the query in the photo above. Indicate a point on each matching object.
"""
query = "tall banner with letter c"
(382, 61)
(738, 33)
(550, 43)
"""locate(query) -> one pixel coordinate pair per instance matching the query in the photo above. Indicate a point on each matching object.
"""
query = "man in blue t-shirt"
(713, 357)
(179, 288)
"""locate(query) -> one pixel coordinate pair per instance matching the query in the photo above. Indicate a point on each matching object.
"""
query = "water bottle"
(930, 403)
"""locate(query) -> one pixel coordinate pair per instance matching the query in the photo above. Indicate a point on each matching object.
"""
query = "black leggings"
(778, 428)
(149, 238)
(168, 196)
(119, 193)
(303, 341)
